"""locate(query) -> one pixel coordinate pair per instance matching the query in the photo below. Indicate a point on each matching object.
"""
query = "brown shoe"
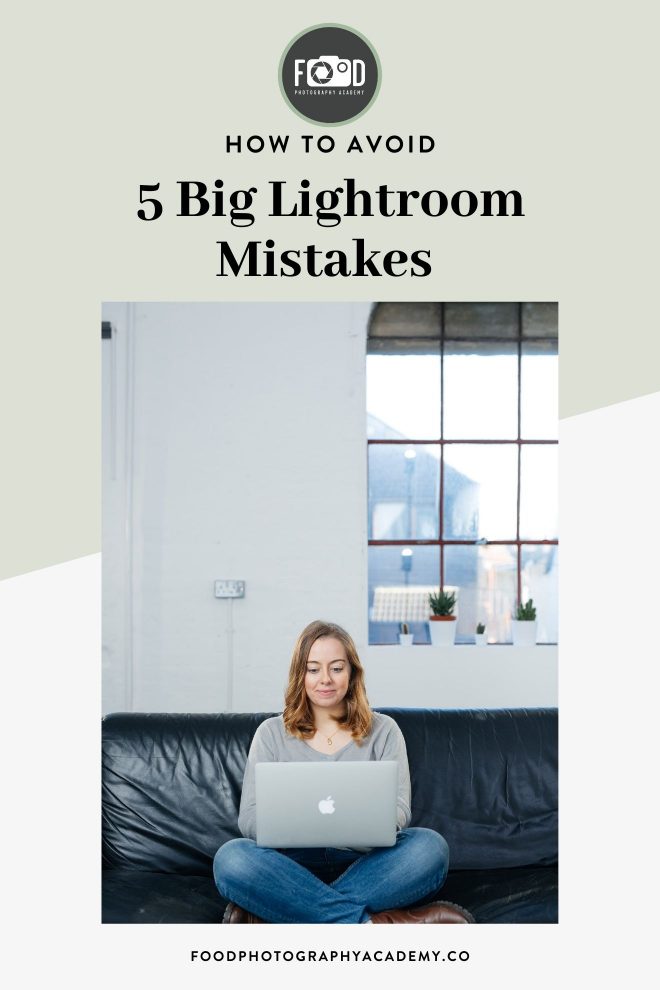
(235, 915)
(437, 913)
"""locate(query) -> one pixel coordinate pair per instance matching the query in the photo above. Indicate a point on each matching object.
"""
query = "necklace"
(329, 738)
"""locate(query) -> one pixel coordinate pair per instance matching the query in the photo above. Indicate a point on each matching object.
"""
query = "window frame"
(397, 345)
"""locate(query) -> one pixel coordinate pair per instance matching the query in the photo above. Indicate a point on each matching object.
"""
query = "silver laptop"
(326, 804)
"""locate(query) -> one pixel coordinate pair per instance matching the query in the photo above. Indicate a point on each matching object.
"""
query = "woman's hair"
(298, 718)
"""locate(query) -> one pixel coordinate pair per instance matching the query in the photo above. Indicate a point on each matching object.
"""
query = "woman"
(327, 717)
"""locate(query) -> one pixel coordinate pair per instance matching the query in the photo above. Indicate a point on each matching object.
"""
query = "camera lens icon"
(321, 73)
(329, 70)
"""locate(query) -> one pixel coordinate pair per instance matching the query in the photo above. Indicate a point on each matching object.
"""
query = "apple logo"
(327, 806)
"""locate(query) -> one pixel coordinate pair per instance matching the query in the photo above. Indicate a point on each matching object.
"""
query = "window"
(462, 416)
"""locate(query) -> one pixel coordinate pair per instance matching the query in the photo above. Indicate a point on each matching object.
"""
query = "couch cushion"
(138, 897)
(487, 781)
(520, 896)
(172, 788)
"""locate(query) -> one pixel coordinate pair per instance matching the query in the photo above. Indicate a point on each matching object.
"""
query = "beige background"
(554, 100)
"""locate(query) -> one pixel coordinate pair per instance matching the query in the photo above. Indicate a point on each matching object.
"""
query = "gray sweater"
(272, 744)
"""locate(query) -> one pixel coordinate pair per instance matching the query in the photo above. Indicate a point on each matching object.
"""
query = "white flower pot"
(443, 631)
(524, 632)
(405, 639)
(481, 639)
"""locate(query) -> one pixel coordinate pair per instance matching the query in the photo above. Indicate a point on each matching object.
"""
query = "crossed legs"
(281, 889)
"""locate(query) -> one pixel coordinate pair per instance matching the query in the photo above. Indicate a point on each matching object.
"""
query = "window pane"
(481, 393)
(404, 486)
(538, 492)
(480, 491)
(400, 579)
(539, 582)
(499, 319)
(486, 578)
(403, 396)
(399, 320)
(539, 391)
(539, 319)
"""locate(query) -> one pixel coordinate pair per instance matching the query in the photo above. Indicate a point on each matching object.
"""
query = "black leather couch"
(487, 780)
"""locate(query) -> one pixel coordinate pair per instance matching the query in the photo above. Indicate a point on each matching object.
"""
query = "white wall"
(234, 446)
(462, 676)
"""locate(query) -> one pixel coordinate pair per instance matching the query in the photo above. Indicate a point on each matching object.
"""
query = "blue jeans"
(330, 886)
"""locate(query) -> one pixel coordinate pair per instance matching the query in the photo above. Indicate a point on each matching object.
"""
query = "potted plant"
(405, 635)
(480, 634)
(442, 621)
(524, 624)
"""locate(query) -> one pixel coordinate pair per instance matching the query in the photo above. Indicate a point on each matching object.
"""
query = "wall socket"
(229, 589)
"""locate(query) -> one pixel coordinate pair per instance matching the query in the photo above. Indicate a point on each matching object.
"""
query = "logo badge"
(327, 806)
(329, 74)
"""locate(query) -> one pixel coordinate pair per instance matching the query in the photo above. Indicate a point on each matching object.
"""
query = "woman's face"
(328, 674)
